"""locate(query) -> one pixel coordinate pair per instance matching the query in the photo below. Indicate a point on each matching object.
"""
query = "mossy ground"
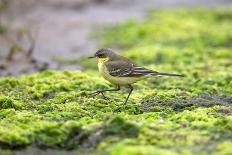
(165, 115)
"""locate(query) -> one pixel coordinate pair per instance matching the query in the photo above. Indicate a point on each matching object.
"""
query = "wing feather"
(127, 69)
(119, 68)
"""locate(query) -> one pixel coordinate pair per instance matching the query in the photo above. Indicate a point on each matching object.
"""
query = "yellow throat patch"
(101, 60)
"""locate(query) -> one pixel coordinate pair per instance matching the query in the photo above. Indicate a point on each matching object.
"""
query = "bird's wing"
(127, 69)
(119, 68)
(141, 71)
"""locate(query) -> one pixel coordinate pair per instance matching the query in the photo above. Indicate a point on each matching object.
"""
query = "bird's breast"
(102, 68)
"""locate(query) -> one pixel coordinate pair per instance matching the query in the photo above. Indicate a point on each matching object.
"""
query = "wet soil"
(180, 105)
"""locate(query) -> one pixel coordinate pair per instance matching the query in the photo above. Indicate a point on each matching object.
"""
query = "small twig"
(14, 48)
(32, 45)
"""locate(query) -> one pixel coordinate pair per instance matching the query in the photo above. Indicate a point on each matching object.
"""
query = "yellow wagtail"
(121, 71)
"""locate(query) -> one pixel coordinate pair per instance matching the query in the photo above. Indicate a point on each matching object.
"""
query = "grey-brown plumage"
(122, 71)
(129, 69)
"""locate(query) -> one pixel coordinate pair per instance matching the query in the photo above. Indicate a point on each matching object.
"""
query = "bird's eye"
(100, 55)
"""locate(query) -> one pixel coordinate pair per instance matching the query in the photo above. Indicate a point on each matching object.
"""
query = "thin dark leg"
(102, 91)
(130, 92)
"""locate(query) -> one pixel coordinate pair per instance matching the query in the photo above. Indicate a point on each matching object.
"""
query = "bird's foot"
(100, 92)
(105, 97)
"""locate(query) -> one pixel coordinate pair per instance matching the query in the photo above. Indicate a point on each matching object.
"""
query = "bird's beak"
(91, 57)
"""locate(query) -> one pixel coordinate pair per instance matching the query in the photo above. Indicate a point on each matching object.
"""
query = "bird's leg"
(130, 92)
(102, 91)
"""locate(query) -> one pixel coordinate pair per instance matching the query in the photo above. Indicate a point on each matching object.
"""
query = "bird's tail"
(169, 74)
(140, 71)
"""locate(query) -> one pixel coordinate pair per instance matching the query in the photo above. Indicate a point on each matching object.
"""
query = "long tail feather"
(169, 74)
(140, 71)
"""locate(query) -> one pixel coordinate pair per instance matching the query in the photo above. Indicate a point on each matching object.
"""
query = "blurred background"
(36, 35)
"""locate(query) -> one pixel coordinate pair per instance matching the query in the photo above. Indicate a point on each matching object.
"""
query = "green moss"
(7, 102)
(118, 126)
(69, 118)
(191, 29)
(165, 115)
(224, 148)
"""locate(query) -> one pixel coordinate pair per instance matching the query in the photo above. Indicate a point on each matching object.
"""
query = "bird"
(121, 71)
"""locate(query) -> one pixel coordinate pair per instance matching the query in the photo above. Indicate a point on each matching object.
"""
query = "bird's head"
(104, 54)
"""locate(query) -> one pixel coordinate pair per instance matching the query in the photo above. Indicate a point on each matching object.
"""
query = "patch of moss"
(118, 126)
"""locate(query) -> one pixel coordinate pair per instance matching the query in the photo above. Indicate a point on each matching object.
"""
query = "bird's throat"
(101, 60)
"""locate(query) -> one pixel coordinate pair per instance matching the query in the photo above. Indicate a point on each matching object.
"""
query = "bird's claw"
(99, 92)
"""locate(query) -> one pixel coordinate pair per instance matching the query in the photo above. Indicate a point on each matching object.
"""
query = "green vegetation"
(165, 115)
